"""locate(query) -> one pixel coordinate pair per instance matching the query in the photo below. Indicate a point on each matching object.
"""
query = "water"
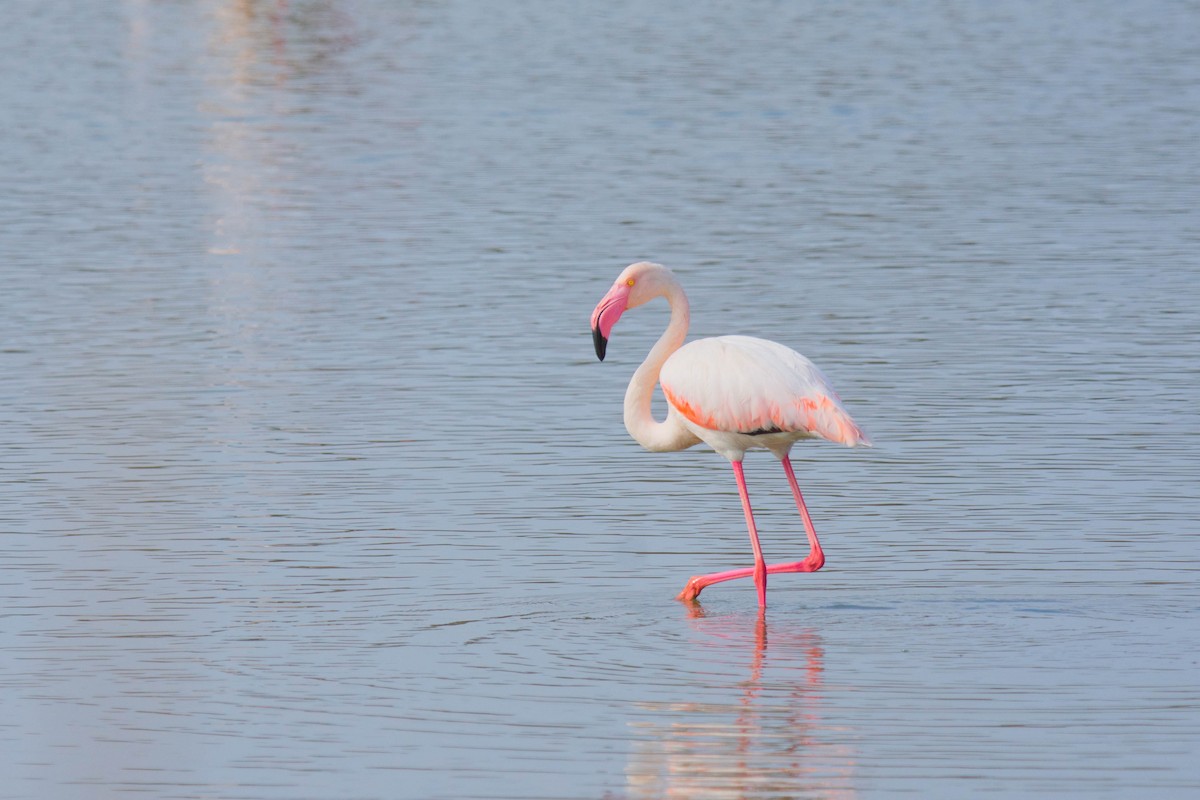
(313, 488)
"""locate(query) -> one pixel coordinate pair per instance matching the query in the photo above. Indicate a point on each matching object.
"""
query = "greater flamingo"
(734, 393)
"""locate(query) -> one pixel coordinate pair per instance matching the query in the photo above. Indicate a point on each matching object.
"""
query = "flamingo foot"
(692, 590)
(813, 563)
(697, 583)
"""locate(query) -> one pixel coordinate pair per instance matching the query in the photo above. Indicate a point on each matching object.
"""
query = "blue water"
(312, 486)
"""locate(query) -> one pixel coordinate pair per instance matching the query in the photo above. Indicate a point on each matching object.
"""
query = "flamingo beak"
(606, 314)
(600, 342)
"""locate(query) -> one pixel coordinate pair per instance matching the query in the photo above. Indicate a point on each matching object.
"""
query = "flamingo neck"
(639, 421)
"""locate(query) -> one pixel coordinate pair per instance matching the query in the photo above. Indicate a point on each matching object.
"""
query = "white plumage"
(737, 393)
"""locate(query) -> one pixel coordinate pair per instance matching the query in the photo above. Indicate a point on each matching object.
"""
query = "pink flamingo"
(734, 393)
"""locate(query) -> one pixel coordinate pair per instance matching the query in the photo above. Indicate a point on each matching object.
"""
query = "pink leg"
(760, 565)
(816, 556)
(815, 560)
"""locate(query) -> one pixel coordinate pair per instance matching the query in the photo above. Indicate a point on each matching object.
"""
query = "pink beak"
(607, 312)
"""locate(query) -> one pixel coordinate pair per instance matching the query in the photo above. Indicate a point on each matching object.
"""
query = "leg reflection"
(752, 721)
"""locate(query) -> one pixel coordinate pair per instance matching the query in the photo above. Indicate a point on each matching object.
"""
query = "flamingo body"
(738, 393)
(734, 393)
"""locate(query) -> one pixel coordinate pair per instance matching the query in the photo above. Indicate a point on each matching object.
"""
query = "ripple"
(316, 490)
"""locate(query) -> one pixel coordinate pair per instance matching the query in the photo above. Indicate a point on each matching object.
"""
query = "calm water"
(313, 487)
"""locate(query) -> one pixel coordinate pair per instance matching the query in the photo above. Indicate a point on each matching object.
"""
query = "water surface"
(313, 488)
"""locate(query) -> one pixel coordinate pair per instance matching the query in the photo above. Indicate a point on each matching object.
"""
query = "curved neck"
(639, 421)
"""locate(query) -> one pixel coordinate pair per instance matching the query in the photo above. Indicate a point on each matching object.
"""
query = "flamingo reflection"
(762, 737)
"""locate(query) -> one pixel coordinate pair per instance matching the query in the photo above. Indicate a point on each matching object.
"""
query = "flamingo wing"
(741, 384)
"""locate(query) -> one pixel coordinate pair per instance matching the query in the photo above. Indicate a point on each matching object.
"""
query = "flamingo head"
(637, 284)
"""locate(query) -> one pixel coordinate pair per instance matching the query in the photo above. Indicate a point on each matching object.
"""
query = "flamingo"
(734, 393)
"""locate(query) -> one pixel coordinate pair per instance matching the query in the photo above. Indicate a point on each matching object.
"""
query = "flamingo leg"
(814, 561)
(760, 564)
(816, 556)
(759, 570)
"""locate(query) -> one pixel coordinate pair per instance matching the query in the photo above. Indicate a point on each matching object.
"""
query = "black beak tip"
(600, 342)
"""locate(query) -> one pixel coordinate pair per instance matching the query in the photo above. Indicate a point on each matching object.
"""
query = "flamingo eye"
(629, 282)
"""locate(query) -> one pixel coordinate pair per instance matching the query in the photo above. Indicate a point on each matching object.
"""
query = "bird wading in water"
(734, 393)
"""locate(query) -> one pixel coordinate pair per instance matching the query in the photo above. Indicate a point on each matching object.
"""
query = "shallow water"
(313, 487)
